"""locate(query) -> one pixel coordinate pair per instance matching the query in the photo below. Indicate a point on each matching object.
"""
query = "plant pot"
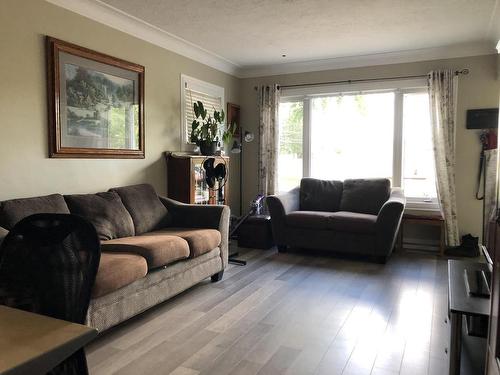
(208, 148)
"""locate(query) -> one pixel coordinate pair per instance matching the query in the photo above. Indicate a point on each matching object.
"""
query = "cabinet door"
(493, 349)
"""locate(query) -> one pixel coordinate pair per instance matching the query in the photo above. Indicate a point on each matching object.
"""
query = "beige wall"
(479, 89)
(25, 169)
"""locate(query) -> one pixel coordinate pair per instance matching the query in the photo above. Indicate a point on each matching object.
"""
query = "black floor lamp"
(237, 148)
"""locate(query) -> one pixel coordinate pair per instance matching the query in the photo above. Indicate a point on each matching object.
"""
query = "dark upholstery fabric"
(106, 211)
(14, 210)
(279, 206)
(308, 219)
(353, 222)
(388, 221)
(3, 234)
(117, 270)
(158, 250)
(365, 196)
(320, 195)
(48, 265)
(200, 241)
(146, 209)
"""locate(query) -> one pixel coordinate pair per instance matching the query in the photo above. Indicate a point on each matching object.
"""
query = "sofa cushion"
(14, 210)
(105, 211)
(320, 195)
(200, 241)
(353, 222)
(365, 196)
(158, 250)
(143, 204)
(117, 270)
(308, 219)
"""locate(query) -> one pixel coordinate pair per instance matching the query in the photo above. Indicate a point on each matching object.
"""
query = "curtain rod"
(349, 81)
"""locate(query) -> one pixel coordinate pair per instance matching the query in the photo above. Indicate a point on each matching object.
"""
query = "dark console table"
(461, 304)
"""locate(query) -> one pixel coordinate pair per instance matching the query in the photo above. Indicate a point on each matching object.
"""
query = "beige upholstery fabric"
(158, 249)
(117, 270)
(158, 286)
(200, 241)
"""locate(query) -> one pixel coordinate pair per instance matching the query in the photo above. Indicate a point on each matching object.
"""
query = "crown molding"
(425, 54)
(117, 19)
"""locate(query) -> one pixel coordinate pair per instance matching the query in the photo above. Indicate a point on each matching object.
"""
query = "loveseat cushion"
(320, 195)
(158, 250)
(308, 219)
(365, 196)
(352, 222)
(105, 211)
(200, 241)
(146, 209)
(14, 210)
(117, 270)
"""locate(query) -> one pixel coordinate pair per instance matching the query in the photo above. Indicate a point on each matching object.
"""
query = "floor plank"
(292, 314)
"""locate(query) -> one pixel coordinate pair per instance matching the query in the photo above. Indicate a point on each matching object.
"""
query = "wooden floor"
(292, 314)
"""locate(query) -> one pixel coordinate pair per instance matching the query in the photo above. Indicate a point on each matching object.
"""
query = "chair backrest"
(48, 265)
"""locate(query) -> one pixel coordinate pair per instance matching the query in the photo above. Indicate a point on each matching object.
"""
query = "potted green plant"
(206, 129)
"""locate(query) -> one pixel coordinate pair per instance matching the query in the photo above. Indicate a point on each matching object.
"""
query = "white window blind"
(194, 90)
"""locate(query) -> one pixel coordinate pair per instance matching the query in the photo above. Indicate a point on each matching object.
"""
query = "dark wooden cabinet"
(186, 179)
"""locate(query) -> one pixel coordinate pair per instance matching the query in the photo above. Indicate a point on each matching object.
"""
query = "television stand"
(462, 304)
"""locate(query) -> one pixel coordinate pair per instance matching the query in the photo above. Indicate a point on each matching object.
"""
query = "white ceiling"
(252, 34)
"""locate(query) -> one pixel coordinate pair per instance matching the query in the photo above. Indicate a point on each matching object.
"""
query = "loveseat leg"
(217, 276)
(381, 259)
(281, 248)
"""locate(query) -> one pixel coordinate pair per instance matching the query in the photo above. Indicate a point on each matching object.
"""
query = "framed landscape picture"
(96, 104)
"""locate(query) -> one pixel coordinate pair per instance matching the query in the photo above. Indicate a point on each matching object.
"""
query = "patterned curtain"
(269, 100)
(442, 96)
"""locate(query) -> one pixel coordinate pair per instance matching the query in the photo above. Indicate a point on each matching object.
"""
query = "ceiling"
(256, 33)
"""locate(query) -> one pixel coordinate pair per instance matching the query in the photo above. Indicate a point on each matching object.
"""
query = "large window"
(382, 132)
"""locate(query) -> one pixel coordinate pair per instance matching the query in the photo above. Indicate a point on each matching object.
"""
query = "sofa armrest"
(3, 233)
(201, 216)
(279, 206)
(388, 220)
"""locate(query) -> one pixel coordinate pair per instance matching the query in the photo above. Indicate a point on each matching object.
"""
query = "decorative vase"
(208, 148)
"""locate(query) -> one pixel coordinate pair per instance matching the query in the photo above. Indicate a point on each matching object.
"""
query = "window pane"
(352, 136)
(290, 145)
(418, 158)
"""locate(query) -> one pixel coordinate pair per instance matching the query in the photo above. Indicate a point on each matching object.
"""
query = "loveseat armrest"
(201, 216)
(388, 220)
(279, 206)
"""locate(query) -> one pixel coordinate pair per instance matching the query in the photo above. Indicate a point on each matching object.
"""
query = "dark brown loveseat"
(355, 216)
(152, 248)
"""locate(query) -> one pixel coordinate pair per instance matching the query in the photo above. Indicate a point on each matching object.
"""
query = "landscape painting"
(100, 104)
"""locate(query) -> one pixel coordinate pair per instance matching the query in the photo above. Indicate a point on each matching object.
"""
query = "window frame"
(399, 87)
(198, 85)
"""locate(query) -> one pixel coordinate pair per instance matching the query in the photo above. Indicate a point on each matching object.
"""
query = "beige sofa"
(152, 247)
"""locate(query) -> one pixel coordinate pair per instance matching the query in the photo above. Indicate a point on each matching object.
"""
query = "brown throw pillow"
(14, 210)
(146, 209)
(105, 211)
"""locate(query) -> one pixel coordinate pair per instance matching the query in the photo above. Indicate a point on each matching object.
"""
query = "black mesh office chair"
(48, 265)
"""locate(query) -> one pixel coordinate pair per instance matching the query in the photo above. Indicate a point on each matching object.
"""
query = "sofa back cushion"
(14, 210)
(365, 196)
(320, 195)
(105, 211)
(146, 209)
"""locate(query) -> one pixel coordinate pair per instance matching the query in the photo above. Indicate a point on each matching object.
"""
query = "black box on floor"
(256, 232)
